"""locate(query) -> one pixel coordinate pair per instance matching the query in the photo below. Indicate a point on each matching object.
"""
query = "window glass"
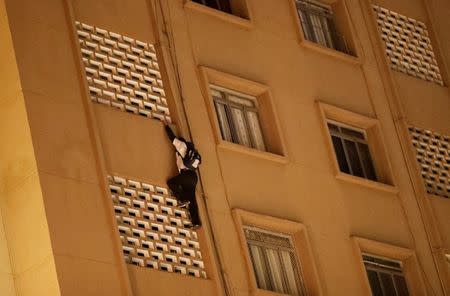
(385, 276)
(238, 118)
(352, 151)
(318, 26)
(275, 265)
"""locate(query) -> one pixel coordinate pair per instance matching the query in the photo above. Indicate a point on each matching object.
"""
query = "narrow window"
(352, 150)
(385, 276)
(238, 118)
(317, 21)
(275, 265)
(223, 5)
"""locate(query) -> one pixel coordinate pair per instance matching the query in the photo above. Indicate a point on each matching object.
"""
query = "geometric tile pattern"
(408, 45)
(122, 72)
(153, 229)
(433, 156)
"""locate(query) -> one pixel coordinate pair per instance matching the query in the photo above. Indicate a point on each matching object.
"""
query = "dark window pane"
(400, 285)
(223, 5)
(354, 158)
(340, 154)
(333, 127)
(388, 284)
(374, 283)
(367, 161)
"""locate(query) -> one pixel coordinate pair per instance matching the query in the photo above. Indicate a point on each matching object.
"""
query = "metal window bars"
(238, 118)
(275, 263)
(385, 276)
(317, 21)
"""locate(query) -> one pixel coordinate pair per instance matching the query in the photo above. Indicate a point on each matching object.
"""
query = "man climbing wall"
(183, 185)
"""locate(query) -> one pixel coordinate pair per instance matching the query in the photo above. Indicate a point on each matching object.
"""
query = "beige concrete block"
(7, 285)
(123, 17)
(77, 219)
(135, 146)
(144, 280)
(78, 276)
(39, 280)
(26, 225)
(16, 152)
(60, 137)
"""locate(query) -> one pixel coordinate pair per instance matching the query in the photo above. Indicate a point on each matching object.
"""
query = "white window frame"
(270, 283)
(385, 269)
(233, 135)
(342, 136)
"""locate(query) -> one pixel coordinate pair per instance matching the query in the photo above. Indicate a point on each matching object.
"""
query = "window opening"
(275, 264)
(385, 276)
(238, 118)
(352, 150)
(317, 21)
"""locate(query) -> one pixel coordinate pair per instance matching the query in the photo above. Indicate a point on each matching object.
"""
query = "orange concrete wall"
(305, 190)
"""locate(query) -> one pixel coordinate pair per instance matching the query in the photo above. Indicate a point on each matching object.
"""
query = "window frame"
(268, 120)
(407, 257)
(388, 270)
(296, 231)
(342, 136)
(353, 47)
(228, 103)
(381, 163)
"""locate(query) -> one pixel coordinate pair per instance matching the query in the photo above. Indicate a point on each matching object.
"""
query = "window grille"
(408, 45)
(238, 118)
(318, 25)
(275, 264)
(385, 276)
(122, 72)
(153, 229)
(223, 5)
(352, 150)
(433, 156)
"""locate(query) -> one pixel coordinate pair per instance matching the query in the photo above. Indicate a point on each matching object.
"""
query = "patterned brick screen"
(433, 156)
(122, 72)
(408, 45)
(153, 229)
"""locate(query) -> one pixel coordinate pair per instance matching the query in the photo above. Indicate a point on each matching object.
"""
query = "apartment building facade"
(324, 129)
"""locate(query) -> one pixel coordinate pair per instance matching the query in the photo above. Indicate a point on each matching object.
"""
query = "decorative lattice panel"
(408, 45)
(122, 72)
(433, 155)
(153, 229)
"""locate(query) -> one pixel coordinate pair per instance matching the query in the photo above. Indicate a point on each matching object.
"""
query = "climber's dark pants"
(183, 187)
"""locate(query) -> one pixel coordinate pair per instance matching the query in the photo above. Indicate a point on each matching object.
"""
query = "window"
(242, 115)
(356, 145)
(352, 150)
(223, 5)
(318, 24)
(278, 255)
(275, 264)
(238, 118)
(389, 270)
(385, 276)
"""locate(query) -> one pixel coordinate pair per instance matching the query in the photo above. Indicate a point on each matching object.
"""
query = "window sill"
(330, 52)
(230, 18)
(367, 183)
(253, 152)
